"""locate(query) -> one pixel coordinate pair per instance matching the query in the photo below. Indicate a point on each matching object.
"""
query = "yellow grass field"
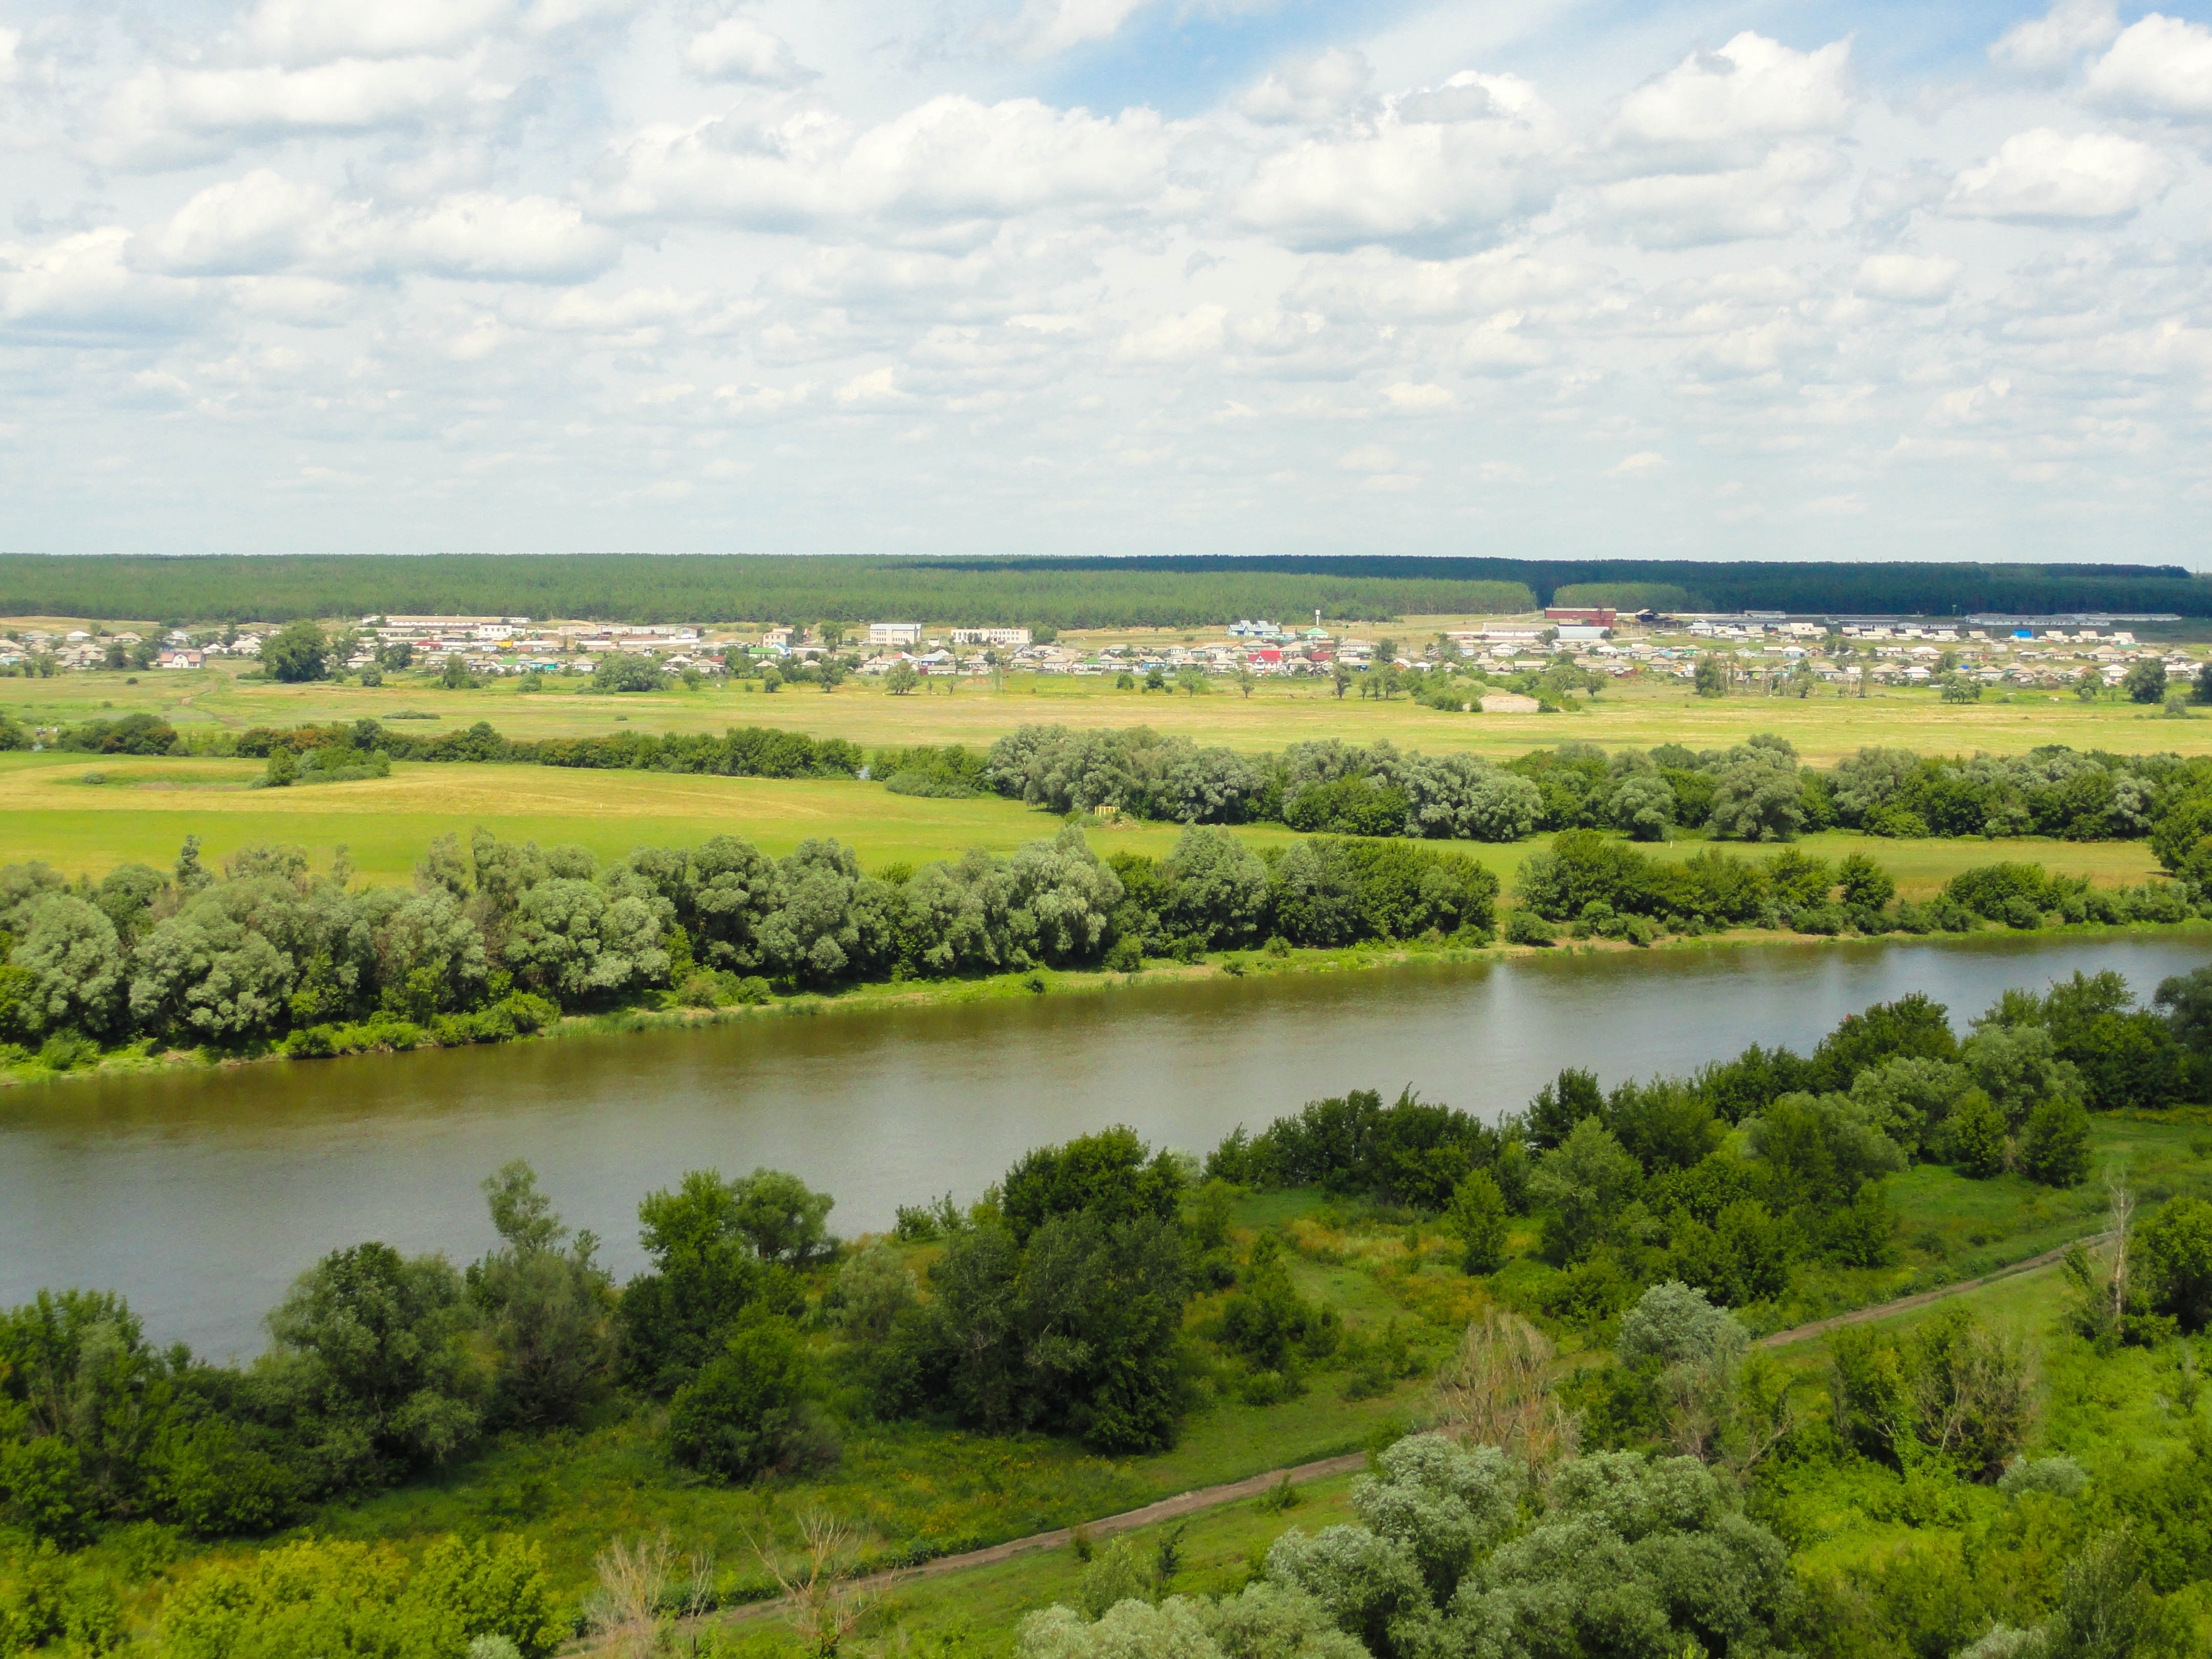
(1633, 715)
(143, 808)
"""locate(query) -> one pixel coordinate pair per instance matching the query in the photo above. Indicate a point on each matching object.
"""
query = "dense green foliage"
(1752, 791)
(1607, 888)
(350, 1601)
(761, 588)
(1462, 1550)
(497, 939)
(749, 751)
(1150, 591)
(1733, 1180)
(379, 1365)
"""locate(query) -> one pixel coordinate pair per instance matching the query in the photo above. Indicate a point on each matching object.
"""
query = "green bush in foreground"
(338, 1600)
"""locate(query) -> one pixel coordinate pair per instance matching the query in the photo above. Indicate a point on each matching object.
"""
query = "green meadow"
(86, 815)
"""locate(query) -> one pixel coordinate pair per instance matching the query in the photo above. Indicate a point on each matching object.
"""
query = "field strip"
(1921, 1299)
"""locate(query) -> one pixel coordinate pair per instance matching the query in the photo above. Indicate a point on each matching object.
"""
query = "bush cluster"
(498, 938)
(1756, 790)
(1597, 884)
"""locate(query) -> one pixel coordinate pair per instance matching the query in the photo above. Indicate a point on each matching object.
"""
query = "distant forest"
(1087, 592)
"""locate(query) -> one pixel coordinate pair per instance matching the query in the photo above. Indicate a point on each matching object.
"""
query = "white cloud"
(318, 31)
(1368, 458)
(1391, 288)
(1909, 278)
(1889, 196)
(2043, 177)
(165, 116)
(1970, 405)
(738, 49)
(265, 222)
(83, 285)
(1309, 90)
(579, 311)
(1428, 170)
(1049, 26)
(2050, 45)
(1178, 339)
(873, 390)
(951, 157)
(527, 239)
(552, 17)
(1727, 106)
(516, 267)
(261, 222)
(2159, 66)
(1418, 398)
(1497, 346)
(764, 400)
(1692, 209)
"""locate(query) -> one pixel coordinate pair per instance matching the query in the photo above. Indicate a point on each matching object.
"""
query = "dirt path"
(1906, 1304)
(1167, 1509)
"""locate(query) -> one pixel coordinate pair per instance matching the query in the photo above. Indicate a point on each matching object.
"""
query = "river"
(200, 1194)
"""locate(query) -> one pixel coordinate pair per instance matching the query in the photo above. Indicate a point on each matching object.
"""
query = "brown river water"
(200, 1194)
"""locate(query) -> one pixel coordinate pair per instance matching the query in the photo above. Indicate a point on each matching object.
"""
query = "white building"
(902, 634)
(990, 636)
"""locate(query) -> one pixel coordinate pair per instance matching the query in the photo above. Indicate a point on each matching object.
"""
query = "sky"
(1528, 277)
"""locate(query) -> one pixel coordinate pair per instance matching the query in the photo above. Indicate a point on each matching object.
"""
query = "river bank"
(201, 1190)
(664, 1014)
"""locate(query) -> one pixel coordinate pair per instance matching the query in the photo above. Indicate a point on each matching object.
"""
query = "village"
(1996, 653)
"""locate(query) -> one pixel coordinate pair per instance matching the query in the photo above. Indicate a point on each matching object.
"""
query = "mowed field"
(141, 809)
(1823, 727)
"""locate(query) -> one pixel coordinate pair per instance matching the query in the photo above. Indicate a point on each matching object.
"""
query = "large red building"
(1591, 615)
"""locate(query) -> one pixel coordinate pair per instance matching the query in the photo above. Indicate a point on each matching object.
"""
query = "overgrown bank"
(502, 939)
(1126, 1298)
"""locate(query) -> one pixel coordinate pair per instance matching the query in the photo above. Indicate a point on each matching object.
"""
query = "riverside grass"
(142, 807)
(1631, 714)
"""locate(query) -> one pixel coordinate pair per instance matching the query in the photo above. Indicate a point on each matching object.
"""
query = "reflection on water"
(200, 1195)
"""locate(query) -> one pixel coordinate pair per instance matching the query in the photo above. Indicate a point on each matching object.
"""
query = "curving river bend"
(199, 1194)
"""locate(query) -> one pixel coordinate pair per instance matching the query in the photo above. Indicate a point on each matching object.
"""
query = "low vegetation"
(1754, 791)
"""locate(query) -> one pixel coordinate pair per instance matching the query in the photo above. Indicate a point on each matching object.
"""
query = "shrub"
(2054, 1149)
(1672, 1324)
(2014, 893)
(744, 1415)
(332, 1597)
(1268, 1322)
(1524, 926)
(1478, 1217)
(1865, 883)
(1950, 1387)
(2060, 1476)
(2174, 1258)
(1977, 1135)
